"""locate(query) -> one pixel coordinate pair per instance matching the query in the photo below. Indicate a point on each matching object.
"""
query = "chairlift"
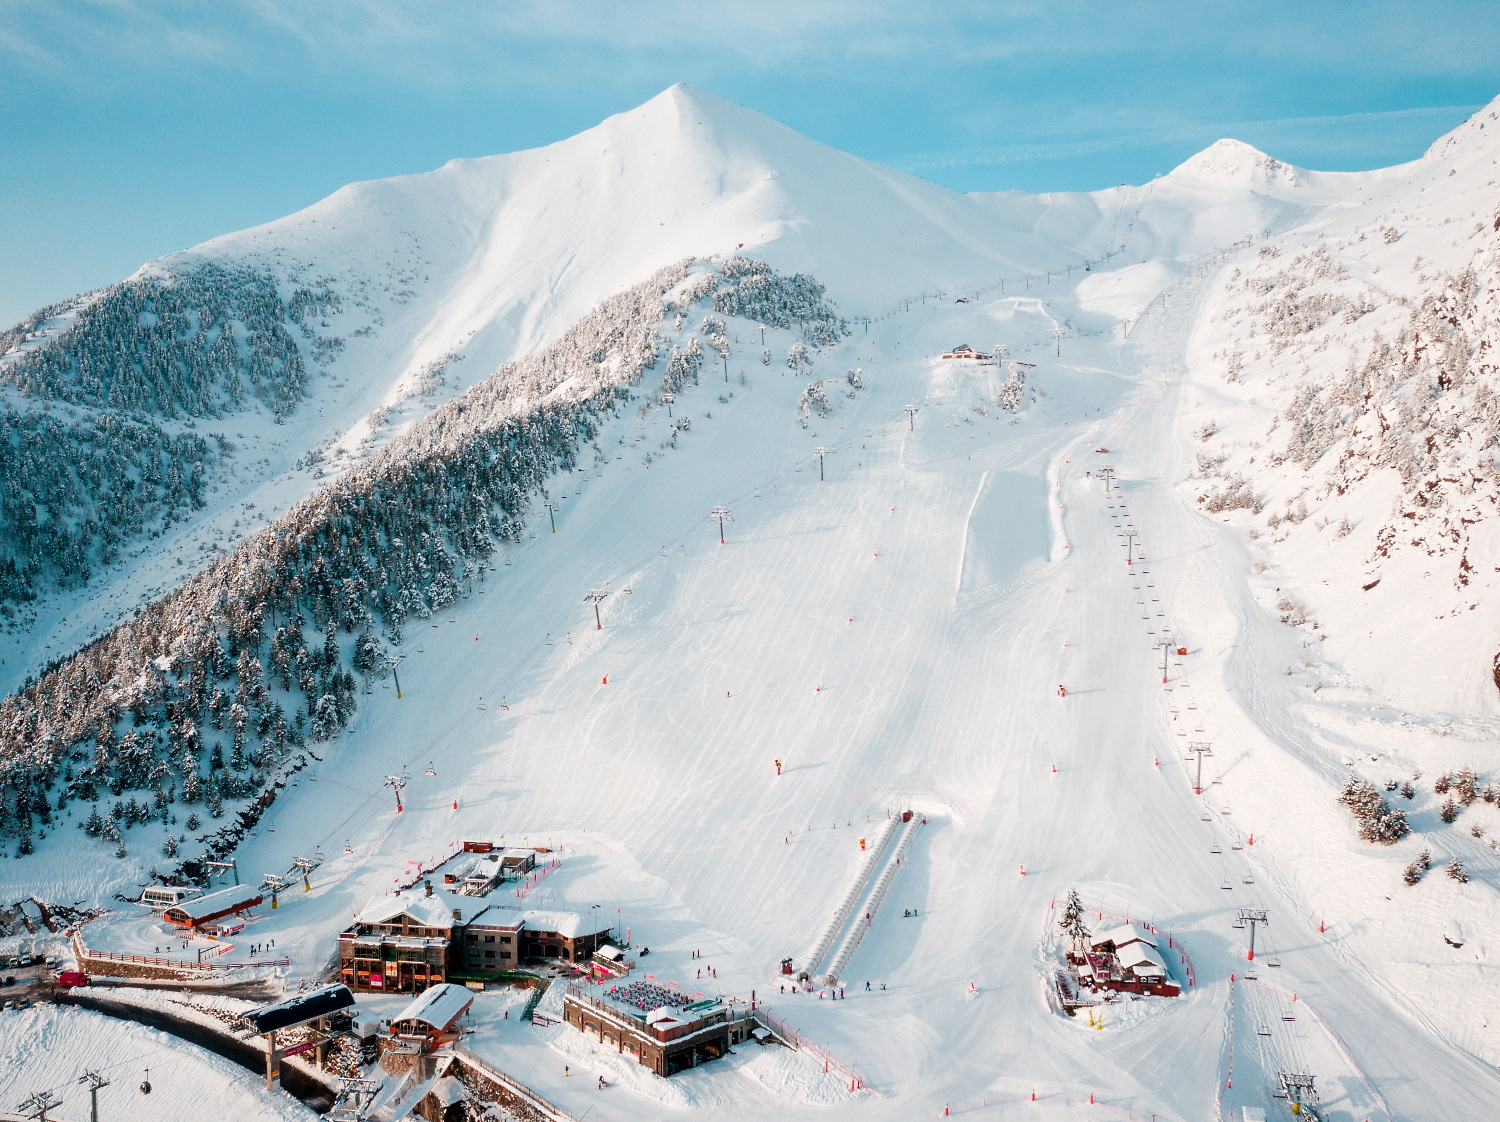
(1289, 1016)
(146, 1083)
(430, 769)
(348, 848)
(1248, 879)
(1226, 886)
(1263, 1030)
(1274, 962)
(1238, 924)
(1215, 848)
(1207, 817)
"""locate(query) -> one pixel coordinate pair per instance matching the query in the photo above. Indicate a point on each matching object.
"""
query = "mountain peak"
(1235, 162)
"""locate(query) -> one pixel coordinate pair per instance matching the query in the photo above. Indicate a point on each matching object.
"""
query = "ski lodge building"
(1127, 959)
(658, 1026)
(408, 942)
(963, 350)
(204, 909)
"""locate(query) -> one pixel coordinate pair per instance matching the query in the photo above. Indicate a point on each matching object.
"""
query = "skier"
(778, 767)
(1062, 691)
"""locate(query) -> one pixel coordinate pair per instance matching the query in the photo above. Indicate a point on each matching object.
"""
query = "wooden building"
(407, 942)
(431, 1021)
(1127, 959)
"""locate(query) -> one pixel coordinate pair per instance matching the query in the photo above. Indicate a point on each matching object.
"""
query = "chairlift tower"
(1200, 748)
(95, 1083)
(911, 418)
(594, 596)
(220, 868)
(1299, 1089)
(1057, 332)
(721, 514)
(551, 506)
(1249, 917)
(1130, 537)
(391, 662)
(669, 398)
(275, 884)
(397, 783)
(1107, 473)
(305, 866)
(39, 1104)
(1166, 646)
(820, 452)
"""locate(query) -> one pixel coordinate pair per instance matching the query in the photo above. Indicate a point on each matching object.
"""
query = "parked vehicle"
(70, 978)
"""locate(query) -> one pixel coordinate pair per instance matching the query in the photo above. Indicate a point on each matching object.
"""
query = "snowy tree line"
(1423, 401)
(99, 464)
(74, 491)
(199, 341)
(211, 694)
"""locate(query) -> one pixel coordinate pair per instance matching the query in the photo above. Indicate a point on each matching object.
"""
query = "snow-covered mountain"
(382, 405)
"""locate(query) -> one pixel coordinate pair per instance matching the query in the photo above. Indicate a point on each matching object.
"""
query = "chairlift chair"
(1215, 848)
(146, 1083)
(431, 770)
(348, 848)
(1226, 886)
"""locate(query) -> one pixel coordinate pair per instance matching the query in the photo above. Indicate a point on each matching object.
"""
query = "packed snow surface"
(953, 615)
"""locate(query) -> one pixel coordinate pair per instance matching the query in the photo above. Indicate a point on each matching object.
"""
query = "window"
(489, 954)
(489, 938)
(473, 938)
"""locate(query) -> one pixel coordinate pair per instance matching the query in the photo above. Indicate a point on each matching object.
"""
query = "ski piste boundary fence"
(1092, 1103)
(1294, 999)
(800, 1042)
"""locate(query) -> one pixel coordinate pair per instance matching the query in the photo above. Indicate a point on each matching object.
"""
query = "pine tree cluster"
(197, 341)
(1378, 821)
(213, 694)
(100, 464)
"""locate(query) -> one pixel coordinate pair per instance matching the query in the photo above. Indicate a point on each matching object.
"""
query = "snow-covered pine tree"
(1070, 920)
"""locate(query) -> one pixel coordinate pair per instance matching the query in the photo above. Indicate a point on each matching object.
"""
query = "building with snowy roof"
(1141, 962)
(1126, 935)
(409, 941)
(212, 906)
(402, 943)
(432, 1019)
(659, 1026)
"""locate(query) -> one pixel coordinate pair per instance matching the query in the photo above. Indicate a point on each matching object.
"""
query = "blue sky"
(131, 129)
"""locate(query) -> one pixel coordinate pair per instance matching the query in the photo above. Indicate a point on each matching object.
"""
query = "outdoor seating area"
(648, 996)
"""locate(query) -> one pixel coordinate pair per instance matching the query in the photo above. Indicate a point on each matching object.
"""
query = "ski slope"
(896, 634)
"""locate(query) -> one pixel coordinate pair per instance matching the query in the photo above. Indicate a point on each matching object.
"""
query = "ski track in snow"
(897, 635)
